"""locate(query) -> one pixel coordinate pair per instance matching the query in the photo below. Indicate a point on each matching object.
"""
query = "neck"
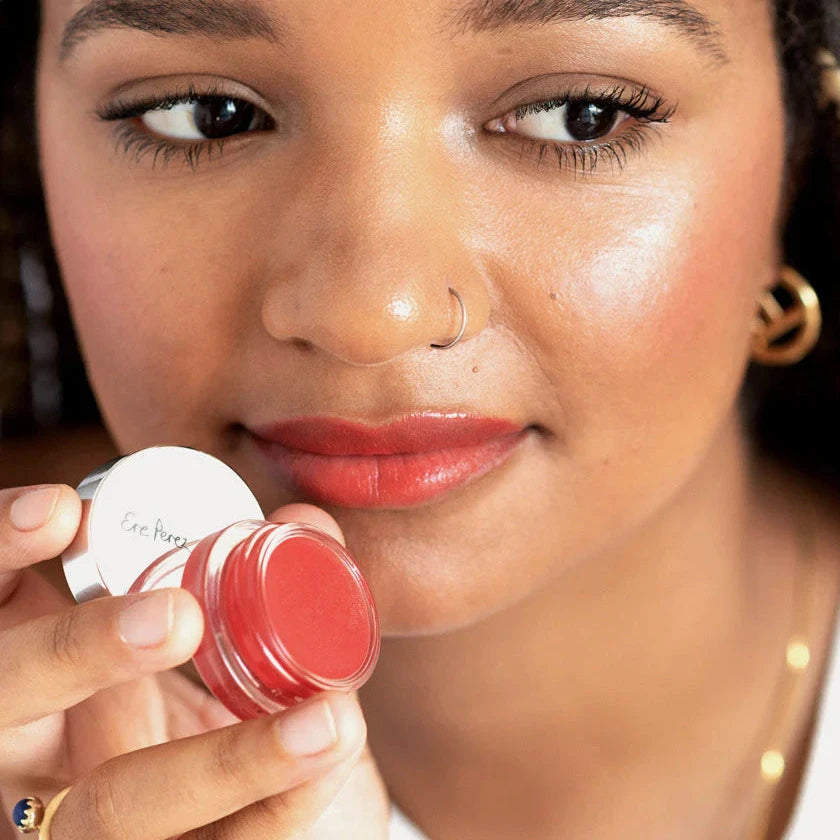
(641, 677)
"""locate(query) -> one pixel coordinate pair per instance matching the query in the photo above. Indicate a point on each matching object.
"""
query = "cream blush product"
(287, 611)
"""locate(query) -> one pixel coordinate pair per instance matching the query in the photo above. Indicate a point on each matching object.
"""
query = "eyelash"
(130, 139)
(637, 103)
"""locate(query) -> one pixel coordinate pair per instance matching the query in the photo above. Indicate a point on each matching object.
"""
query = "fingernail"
(348, 719)
(33, 509)
(307, 729)
(148, 621)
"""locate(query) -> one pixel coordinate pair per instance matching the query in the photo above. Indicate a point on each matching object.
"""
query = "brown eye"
(589, 120)
(218, 117)
(574, 121)
(205, 118)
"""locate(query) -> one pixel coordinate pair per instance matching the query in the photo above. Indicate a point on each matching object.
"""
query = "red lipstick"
(401, 464)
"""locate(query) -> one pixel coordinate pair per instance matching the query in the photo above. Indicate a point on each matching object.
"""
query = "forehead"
(710, 32)
(681, 16)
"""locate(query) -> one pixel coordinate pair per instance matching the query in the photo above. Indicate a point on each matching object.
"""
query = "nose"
(376, 242)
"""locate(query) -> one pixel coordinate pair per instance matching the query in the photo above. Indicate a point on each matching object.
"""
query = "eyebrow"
(491, 15)
(211, 18)
(243, 19)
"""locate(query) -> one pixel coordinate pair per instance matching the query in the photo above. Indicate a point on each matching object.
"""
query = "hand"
(87, 699)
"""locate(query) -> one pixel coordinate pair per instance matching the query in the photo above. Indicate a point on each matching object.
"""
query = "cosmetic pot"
(287, 612)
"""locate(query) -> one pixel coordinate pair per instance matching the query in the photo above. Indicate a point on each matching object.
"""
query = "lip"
(405, 463)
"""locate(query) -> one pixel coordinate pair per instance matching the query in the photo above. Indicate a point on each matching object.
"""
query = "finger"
(311, 515)
(286, 815)
(36, 523)
(169, 789)
(55, 661)
(348, 792)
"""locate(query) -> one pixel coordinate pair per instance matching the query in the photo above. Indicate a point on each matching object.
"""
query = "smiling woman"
(534, 306)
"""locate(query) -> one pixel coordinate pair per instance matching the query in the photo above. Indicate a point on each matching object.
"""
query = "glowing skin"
(305, 271)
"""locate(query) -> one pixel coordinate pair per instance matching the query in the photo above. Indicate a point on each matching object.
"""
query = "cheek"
(663, 318)
(156, 305)
(639, 315)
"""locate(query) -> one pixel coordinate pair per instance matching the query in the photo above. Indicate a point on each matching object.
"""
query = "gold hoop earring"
(830, 79)
(799, 324)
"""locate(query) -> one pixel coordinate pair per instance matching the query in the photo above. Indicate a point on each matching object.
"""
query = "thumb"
(311, 515)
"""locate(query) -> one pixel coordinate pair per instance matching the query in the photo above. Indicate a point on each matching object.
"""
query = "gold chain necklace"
(791, 684)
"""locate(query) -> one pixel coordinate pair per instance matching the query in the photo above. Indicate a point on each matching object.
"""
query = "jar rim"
(265, 543)
(256, 541)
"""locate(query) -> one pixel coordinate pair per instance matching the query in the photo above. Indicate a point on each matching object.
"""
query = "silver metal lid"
(140, 506)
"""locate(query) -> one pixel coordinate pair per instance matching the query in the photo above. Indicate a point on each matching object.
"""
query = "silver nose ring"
(463, 322)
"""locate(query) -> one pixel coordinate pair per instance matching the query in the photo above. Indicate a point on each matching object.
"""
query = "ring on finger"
(30, 814)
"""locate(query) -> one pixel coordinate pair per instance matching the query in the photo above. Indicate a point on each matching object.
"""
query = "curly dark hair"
(792, 413)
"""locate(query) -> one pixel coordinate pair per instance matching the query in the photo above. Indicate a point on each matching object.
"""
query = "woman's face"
(609, 255)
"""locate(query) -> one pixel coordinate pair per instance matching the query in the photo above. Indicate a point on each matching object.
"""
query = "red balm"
(287, 613)
(286, 610)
